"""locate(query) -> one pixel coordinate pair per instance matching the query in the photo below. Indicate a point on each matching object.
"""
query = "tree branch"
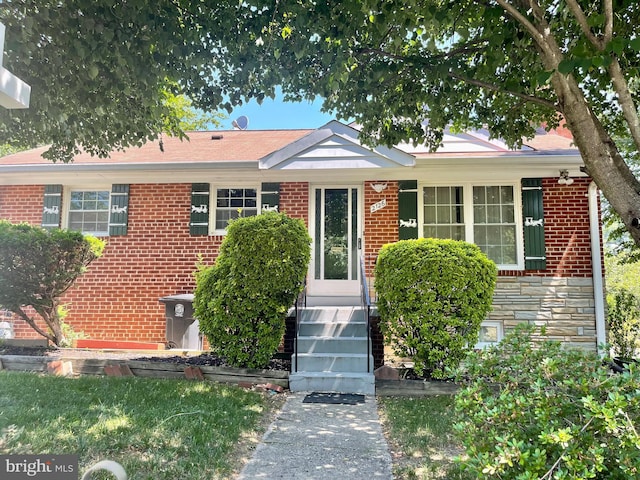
(478, 83)
(524, 22)
(584, 24)
(496, 88)
(564, 451)
(32, 323)
(625, 99)
(608, 24)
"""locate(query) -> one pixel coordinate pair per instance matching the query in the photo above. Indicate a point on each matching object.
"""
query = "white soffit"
(334, 146)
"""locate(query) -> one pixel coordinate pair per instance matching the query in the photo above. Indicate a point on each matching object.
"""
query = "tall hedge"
(242, 300)
(432, 297)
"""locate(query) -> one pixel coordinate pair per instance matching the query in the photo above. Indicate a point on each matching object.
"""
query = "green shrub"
(538, 410)
(37, 267)
(432, 297)
(242, 300)
(624, 323)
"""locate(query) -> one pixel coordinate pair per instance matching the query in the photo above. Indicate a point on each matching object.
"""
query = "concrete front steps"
(332, 352)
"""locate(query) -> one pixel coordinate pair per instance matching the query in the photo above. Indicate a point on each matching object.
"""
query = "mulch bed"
(30, 351)
(204, 359)
(210, 360)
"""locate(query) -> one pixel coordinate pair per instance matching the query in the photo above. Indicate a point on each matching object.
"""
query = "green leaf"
(566, 66)
(543, 77)
(93, 72)
(616, 45)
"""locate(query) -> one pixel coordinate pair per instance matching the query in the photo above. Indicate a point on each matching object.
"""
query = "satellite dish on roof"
(240, 123)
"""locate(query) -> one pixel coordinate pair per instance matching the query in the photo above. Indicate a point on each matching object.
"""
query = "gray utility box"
(182, 328)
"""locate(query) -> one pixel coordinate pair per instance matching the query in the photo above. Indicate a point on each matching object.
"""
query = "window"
(490, 334)
(444, 212)
(481, 214)
(494, 229)
(232, 203)
(89, 211)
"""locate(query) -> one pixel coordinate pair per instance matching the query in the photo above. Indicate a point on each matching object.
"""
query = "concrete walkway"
(315, 441)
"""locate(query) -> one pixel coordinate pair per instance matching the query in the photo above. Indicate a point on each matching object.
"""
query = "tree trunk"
(599, 152)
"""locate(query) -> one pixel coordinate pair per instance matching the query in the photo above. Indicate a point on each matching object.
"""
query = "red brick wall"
(156, 258)
(566, 228)
(294, 200)
(567, 236)
(381, 226)
(118, 297)
(21, 203)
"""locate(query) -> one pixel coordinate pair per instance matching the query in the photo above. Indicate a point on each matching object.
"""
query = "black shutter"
(119, 214)
(407, 209)
(533, 218)
(270, 197)
(52, 205)
(199, 223)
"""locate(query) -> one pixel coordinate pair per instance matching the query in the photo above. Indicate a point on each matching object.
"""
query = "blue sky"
(277, 114)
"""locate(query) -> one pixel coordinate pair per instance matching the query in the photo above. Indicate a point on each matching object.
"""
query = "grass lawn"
(420, 435)
(157, 429)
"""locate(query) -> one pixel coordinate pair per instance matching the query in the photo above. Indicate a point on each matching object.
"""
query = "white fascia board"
(333, 128)
(14, 93)
(498, 168)
(122, 173)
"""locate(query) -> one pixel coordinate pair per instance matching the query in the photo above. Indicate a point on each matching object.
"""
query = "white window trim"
(500, 336)
(468, 213)
(213, 200)
(66, 200)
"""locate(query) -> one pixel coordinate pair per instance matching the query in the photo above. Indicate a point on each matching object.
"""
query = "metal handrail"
(301, 302)
(365, 300)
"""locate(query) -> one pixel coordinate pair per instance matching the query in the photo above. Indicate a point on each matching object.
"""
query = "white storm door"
(336, 241)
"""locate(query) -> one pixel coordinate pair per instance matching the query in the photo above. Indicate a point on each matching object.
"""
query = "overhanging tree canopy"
(101, 71)
(510, 65)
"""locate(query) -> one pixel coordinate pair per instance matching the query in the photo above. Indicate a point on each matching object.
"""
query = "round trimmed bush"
(242, 301)
(433, 295)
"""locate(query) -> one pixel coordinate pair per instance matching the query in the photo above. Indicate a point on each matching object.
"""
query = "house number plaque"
(378, 205)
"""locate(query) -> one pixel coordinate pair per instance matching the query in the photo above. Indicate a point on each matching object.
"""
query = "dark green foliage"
(37, 266)
(432, 297)
(242, 300)
(542, 411)
(623, 316)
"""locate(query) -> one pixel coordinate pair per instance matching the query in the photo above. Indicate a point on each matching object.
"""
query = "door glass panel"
(354, 234)
(336, 234)
(318, 234)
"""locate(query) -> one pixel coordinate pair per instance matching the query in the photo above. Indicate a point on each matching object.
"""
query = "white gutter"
(596, 266)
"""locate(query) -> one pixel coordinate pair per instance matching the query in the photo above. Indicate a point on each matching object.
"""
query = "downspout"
(596, 266)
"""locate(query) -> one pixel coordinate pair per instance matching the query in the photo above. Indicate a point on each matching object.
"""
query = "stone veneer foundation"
(565, 306)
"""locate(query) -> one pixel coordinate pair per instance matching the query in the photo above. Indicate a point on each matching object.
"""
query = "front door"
(335, 225)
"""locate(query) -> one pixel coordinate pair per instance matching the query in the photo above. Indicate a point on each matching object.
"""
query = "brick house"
(160, 206)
